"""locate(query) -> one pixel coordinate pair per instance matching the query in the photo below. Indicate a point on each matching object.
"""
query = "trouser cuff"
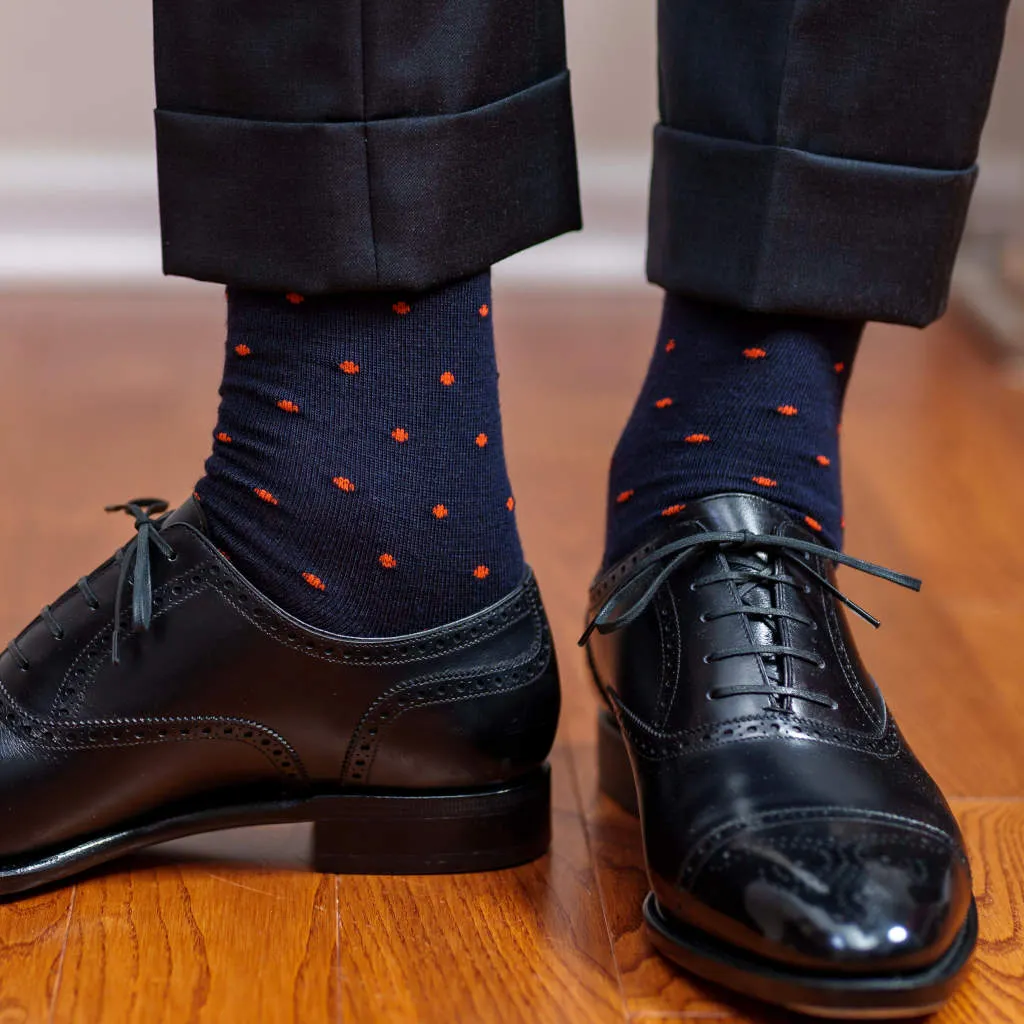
(401, 203)
(781, 230)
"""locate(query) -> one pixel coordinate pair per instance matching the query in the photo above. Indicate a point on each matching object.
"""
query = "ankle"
(734, 402)
(358, 476)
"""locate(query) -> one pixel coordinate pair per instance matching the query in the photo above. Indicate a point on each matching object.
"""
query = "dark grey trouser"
(813, 156)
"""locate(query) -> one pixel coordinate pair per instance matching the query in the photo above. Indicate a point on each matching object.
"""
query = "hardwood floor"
(103, 397)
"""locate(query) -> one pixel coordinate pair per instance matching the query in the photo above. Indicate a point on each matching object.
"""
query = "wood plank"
(929, 422)
(929, 492)
(221, 928)
(526, 945)
(994, 990)
(961, 718)
(102, 398)
(33, 936)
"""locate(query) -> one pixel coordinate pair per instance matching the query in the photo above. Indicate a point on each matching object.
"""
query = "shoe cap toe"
(860, 895)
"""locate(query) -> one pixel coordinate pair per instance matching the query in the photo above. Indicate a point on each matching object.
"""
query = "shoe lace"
(135, 567)
(631, 597)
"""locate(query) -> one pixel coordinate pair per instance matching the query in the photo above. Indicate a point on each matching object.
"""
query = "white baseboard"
(74, 219)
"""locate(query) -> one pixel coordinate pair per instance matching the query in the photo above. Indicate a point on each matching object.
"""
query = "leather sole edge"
(355, 832)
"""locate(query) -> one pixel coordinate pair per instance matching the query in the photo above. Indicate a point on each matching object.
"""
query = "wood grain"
(525, 945)
(104, 397)
(994, 991)
(33, 936)
(201, 939)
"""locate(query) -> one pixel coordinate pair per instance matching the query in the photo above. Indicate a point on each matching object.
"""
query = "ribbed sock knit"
(734, 401)
(358, 477)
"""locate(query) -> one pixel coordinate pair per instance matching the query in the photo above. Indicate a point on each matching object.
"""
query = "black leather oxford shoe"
(204, 706)
(797, 850)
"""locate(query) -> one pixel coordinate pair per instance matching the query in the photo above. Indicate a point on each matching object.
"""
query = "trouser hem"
(402, 203)
(781, 230)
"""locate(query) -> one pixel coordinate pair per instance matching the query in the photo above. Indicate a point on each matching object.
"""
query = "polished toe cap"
(851, 895)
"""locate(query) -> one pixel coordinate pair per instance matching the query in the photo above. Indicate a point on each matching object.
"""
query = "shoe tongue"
(188, 512)
(758, 595)
(739, 512)
(745, 512)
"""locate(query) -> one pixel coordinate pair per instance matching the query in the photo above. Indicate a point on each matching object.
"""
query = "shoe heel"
(434, 833)
(614, 772)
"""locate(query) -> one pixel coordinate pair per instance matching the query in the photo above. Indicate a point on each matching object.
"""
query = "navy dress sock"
(357, 476)
(734, 401)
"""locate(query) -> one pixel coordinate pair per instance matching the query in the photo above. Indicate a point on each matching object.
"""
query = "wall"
(78, 75)
(77, 192)
(77, 184)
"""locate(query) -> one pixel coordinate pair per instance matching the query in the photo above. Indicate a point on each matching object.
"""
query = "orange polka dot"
(787, 410)
(195, 494)
(813, 523)
(670, 345)
(447, 378)
(672, 510)
(663, 403)
(510, 504)
(401, 308)
(224, 554)
(839, 367)
(265, 496)
(439, 511)
(243, 350)
(400, 434)
(224, 438)
(287, 406)
(314, 581)
(842, 523)
(387, 561)
(344, 484)
(822, 460)
(765, 481)
(697, 438)
(481, 440)
(295, 298)
(484, 310)
(624, 496)
(755, 353)
(348, 367)
(481, 572)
